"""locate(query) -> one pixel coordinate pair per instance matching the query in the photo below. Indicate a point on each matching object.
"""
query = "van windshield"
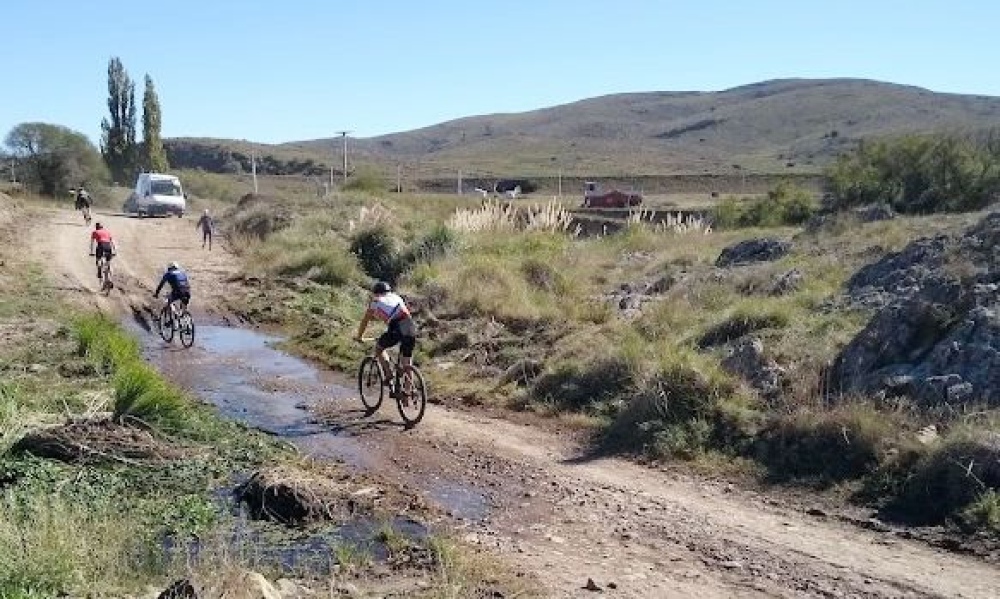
(164, 187)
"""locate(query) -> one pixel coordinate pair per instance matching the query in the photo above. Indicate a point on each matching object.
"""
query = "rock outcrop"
(936, 335)
(765, 249)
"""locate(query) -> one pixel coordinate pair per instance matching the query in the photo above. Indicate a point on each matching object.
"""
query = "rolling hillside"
(781, 126)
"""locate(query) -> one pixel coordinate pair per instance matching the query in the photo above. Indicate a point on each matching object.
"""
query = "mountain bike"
(406, 385)
(86, 214)
(104, 273)
(174, 317)
(104, 266)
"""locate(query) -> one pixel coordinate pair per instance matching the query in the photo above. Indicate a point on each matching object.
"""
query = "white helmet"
(173, 266)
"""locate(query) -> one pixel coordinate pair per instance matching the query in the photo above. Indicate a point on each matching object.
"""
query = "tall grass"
(673, 223)
(13, 417)
(491, 216)
(54, 544)
(141, 393)
(102, 341)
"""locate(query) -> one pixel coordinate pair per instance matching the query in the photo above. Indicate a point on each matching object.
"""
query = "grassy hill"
(781, 126)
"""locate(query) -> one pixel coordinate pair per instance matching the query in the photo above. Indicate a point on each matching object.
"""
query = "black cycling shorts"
(103, 249)
(184, 295)
(401, 332)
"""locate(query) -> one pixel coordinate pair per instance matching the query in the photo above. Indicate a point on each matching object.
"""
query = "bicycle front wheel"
(411, 398)
(166, 324)
(186, 326)
(370, 384)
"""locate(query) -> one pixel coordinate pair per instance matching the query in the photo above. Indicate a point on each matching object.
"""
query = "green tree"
(55, 158)
(118, 134)
(920, 173)
(154, 157)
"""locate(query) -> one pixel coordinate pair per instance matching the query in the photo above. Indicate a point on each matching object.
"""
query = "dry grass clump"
(491, 216)
(369, 217)
(552, 218)
(673, 223)
(495, 216)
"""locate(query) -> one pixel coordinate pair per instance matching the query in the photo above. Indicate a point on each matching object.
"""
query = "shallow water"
(240, 372)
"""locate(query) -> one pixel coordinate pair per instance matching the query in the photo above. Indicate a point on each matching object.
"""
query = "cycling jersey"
(177, 280)
(101, 236)
(389, 307)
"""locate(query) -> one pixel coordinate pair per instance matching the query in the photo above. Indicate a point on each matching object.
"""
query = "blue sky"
(275, 71)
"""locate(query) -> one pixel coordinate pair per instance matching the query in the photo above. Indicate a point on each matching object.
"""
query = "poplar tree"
(118, 133)
(154, 157)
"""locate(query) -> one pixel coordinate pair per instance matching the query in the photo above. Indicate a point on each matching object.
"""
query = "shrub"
(984, 512)
(675, 410)
(846, 443)
(948, 480)
(589, 386)
(366, 180)
(437, 243)
(259, 217)
(742, 322)
(919, 174)
(376, 251)
(323, 264)
(543, 276)
(786, 204)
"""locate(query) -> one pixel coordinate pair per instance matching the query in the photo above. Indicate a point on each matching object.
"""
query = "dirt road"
(145, 247)
(528, 493)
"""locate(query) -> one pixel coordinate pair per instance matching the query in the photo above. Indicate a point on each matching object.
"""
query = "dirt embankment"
(551, 510)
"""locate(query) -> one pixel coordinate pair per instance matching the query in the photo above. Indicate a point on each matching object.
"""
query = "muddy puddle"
(240, 372)
(302, 552)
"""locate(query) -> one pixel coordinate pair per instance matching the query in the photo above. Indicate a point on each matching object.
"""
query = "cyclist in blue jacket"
(180, 289)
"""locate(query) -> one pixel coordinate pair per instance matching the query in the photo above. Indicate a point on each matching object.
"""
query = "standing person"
(390, 309)
(207, 224)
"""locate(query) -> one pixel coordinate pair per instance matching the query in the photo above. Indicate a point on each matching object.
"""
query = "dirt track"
(560, 516)
(145, 247)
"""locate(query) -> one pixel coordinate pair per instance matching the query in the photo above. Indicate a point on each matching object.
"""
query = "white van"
(156, 193)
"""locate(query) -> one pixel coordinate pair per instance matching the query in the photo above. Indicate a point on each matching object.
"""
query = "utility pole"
(459, 181)
(343, 135)
(560, 184)
(399, 178)
(253, 169)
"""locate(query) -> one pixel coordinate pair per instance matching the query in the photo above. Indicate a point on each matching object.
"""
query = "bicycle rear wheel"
(106, 283)
(370, 385)
(186, 329)
(411, 397)
(166, 323)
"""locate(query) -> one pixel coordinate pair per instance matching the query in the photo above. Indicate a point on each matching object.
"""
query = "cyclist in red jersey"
(105, 246)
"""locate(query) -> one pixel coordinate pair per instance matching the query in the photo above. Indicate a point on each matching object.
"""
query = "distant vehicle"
(595, 197)
(504, 186)
(155, 194)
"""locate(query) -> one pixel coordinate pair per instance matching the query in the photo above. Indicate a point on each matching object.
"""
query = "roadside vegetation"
(641, 336)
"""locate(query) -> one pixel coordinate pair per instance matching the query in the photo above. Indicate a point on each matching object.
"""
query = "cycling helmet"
(381, 287)
(173, 266)
(98, 226)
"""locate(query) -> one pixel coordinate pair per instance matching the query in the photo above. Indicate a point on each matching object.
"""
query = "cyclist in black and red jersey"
(105, 247)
